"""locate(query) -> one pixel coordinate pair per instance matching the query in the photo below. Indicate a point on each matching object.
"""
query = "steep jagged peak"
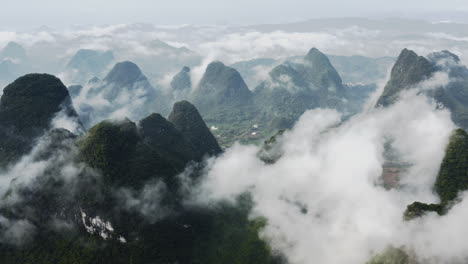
(189, 122)
(323, 73)
(409, 69)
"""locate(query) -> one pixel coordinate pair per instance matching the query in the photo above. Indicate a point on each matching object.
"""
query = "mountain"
(10, 70)
(323, 74)
(126, 92)
(163, 135)
(189, 122)
(27, 107)
(158, 58)
(181, 84)
(301, 85)
(75, 90)
(13, 51)
(114, 196)
(410, 69)
(126, 74)
(291, 88)
(352, 69)
(181, 80)
(451, 180)
(220, 86)
(88, 63)
(156, 148)
(13, 62)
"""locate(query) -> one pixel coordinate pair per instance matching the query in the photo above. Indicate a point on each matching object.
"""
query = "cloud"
(16, 232)
(324, 195)
(148, 202)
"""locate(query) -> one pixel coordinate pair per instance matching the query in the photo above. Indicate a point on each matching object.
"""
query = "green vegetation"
(109, 148)
(451, 180)
(26, 108)
(453, 174)
(393, 256)
(189, 122)
(222, 234)
(418, 209)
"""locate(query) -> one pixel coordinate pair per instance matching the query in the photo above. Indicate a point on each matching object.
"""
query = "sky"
(59, 13)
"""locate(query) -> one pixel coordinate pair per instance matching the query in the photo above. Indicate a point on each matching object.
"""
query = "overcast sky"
(61, 13)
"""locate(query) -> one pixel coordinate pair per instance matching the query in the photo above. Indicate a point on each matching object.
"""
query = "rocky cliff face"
(298, 86)
(409, 70)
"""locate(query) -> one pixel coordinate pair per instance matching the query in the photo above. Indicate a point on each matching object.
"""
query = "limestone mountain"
(181, 84)
(161, 134)
(297, 86)
(10, 70)
(410, 69)
(323, 74)
(126, 73)
(181, 80)
(14, 52)
(451, 180)
(88, 63)
(113, 195)
(127, 93)
(27, 107)
(155, 148)
(222, 86)
(189, 122)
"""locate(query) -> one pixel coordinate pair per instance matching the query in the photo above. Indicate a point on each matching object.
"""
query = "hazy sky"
(61, 13)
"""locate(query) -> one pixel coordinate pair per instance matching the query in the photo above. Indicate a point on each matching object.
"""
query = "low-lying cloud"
(324, 195)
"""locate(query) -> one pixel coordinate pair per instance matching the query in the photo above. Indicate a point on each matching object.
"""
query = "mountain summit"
(323, 74)
(409, 69)
(220, 85)
(27, 107)
(125, 73)
(189, 122)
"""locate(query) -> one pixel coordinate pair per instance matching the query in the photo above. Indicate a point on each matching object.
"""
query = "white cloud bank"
(323, 200)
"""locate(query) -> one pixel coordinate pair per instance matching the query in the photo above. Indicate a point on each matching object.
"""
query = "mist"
(325, 195)
(314, 182)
